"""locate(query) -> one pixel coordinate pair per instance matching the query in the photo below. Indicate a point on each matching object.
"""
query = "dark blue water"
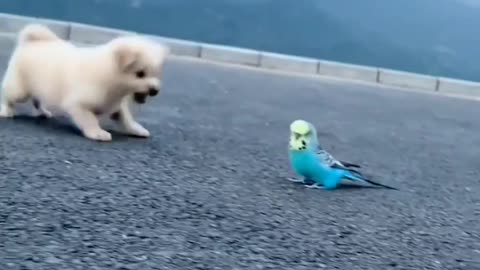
(433, 37)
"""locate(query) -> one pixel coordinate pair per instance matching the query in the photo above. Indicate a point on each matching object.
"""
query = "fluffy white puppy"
(83, 82)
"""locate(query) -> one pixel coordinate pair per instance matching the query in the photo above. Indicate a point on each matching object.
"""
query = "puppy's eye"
(140, 74)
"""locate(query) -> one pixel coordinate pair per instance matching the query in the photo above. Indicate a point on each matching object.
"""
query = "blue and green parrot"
(316, 165)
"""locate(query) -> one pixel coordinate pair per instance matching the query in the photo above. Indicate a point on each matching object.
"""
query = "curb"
(90, 34)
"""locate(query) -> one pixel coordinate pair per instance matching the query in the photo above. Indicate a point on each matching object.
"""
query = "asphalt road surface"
(208, 190)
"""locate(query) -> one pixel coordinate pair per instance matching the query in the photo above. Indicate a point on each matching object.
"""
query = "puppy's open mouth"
(140, 97)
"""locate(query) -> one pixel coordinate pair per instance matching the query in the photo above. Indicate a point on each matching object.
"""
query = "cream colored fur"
(83, 82)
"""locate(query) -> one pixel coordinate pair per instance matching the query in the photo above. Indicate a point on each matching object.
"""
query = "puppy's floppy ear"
(126, 58)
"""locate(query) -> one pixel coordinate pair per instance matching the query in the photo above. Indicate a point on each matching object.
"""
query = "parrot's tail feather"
(361, 177)
(348, 164)
(359, 174)
(379, 184)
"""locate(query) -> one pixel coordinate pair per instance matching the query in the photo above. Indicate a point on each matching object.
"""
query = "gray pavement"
(208, 190)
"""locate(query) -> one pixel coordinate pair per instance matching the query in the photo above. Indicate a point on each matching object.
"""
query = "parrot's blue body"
(307, 164)
(312, 163)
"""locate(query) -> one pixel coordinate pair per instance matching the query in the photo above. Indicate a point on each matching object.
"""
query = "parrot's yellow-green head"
(300, 135)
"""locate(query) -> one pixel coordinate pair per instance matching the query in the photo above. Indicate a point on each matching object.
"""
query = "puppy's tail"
(35, 32)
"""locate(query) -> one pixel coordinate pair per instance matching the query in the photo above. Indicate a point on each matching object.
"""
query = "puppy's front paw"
(98, 135)
(138, 130)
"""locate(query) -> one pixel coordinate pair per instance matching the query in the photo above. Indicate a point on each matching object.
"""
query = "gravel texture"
(208, 190)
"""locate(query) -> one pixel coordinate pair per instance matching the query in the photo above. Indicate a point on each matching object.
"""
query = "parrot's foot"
(316, 186)
(296, 180)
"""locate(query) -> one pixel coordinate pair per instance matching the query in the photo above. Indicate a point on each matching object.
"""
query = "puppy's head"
(140, 62)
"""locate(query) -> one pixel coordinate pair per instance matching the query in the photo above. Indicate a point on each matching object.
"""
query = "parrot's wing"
(348, 164)
(341, 167)
(327, 159)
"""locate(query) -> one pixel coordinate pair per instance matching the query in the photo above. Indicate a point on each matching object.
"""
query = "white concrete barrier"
(89, 34)
(13, 23)
(179, 47)
(461, 87)
(229, 54)
(407, 79)
(348, 71)
(288, 63)
(62, 29)
(7, 42)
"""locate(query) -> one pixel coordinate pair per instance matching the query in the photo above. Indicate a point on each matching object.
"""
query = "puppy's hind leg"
(125, 118)
(12, 92)
(6, 108)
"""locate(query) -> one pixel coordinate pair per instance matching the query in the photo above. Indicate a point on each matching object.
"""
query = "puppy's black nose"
(140, 97)
(304, 143)
(152, 91)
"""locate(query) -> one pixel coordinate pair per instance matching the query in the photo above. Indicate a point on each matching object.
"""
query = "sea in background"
(437, 37)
